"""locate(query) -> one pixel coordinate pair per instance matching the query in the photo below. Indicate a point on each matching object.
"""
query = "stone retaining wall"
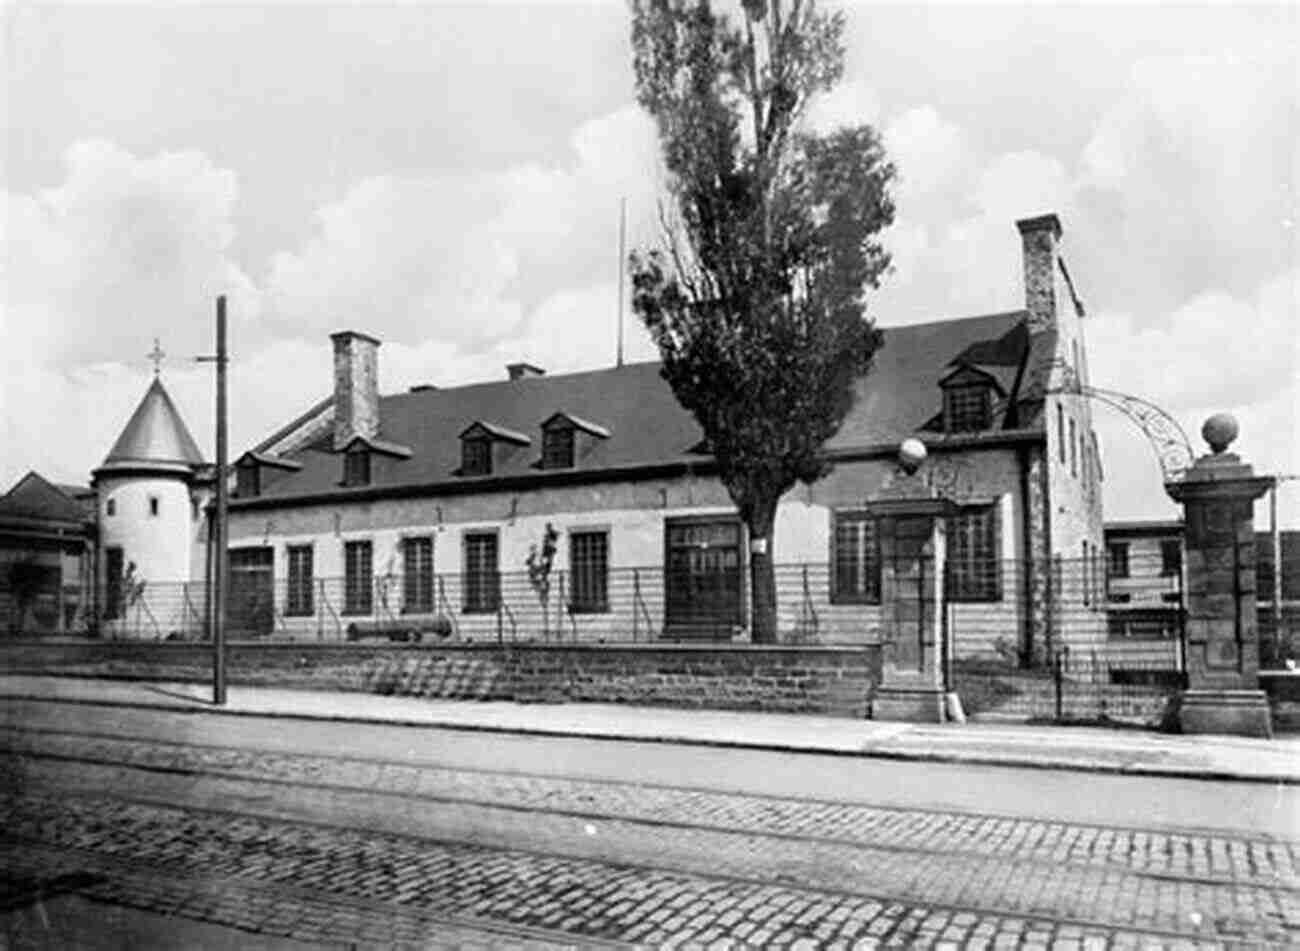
(835, 681)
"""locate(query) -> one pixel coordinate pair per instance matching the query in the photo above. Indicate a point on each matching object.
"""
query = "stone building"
(420, 509)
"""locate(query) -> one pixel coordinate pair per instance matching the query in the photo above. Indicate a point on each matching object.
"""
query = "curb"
(866, 752)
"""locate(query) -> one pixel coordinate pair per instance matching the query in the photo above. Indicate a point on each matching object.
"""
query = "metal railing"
(991, 608)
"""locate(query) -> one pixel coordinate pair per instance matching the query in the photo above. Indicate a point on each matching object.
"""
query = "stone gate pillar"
(1218, 496)
(912, 550)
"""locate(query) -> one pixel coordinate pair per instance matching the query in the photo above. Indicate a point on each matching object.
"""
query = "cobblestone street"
(379, 852)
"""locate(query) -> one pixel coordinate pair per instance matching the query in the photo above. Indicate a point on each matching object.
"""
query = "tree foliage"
(757, 300)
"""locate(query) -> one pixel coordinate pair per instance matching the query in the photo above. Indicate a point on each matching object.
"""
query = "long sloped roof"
(154, 435)
(646, 425)
(34, 498)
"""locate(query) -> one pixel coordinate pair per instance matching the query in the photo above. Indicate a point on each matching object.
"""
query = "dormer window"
(567, 438)
(557, 448)
(968, 408)
(476, 456)
(486, 446)
(356, 467)
(248, 481)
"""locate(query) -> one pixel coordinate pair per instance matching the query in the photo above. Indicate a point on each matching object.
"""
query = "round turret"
(148, 519)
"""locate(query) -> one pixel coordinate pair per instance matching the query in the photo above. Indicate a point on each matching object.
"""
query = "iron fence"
(992, 610)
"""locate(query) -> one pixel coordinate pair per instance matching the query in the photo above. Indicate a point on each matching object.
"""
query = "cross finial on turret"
(156, 355)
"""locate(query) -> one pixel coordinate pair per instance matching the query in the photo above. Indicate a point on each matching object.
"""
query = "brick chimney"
(356, 386)
(520, 371)
(1039, 237)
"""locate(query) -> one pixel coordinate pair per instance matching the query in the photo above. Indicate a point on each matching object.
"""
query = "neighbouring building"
(1145, 591)
(47, 557)
(421, 508)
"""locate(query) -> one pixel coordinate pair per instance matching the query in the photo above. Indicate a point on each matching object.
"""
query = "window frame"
(1171, 568)
(979, 579)
(480, 590)
(300, 590)
(564, 458)
(968, 407)
(358, 594)
(356, 467)
(593, 598)
(248, 481)
(868, 572)
(417, 577)
(480, 465)
(1114, 564)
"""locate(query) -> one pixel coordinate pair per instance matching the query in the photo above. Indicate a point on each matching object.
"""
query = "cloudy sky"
(448, 178)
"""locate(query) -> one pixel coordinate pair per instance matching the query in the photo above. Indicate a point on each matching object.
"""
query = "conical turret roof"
(155, 436)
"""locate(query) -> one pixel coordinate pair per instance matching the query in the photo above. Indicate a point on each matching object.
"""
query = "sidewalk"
(1092, 749)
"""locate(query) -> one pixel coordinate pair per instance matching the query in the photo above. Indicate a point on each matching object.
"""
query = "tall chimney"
(1039, 237)
(356, 386)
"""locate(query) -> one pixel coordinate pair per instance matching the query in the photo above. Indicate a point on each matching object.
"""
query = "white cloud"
(851, 103)
(123, 250)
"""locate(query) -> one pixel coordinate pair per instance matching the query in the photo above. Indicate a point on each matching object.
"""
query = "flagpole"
(622, 268)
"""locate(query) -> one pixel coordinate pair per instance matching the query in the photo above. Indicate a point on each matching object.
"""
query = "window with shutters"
(358, 584)
(855, 559)
(589, 572)
(973, 546)
(481, 584)
(299, 602)
(417, 575)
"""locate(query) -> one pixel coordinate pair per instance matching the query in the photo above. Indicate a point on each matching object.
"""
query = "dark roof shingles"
(637, 407)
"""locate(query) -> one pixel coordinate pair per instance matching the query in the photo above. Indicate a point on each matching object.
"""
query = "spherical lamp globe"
(911, 454)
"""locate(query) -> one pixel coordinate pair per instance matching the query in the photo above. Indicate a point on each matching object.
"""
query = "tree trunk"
(762, 578)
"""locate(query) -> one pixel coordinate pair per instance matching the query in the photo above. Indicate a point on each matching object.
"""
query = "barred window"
(358, 587)
(476, 456)
(481, 590)
(299, 601)
(557, 448)
(855, 559)
(967, 409)
(589, 572)
(1117, 559)
(356, 467)
(417, 575)
(1171, 557)
(973, 547)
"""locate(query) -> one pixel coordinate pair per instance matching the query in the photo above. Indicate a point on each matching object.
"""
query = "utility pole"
(217, 592)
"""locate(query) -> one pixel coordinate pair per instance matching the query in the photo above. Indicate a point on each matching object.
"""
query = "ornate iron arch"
(1167, 439)
(1172, 447)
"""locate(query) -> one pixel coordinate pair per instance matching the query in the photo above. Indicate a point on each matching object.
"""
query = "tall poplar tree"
(757, 299)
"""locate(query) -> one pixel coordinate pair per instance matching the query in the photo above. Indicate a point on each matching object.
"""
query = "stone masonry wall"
(821, 680)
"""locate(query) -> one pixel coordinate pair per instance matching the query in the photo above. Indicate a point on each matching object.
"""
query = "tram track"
(44, 771)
